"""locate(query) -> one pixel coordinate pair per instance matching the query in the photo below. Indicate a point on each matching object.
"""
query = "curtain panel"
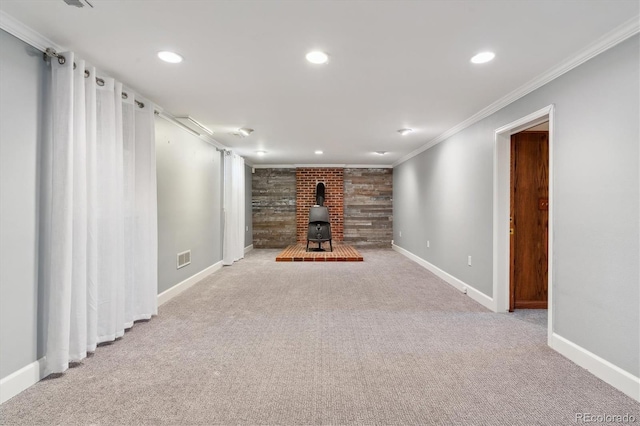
(234, 217)
(98, 246)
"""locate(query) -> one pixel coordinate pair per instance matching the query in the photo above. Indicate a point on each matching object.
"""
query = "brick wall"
(306, 179)
(274, 207)
(368, 207)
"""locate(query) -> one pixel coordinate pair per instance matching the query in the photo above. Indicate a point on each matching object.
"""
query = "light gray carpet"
(376, 342)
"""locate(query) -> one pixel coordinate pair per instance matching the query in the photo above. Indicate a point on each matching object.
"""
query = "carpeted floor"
(376, 342)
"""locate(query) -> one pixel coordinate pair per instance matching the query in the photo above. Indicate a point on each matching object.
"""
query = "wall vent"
(184, 259)
(194, 125)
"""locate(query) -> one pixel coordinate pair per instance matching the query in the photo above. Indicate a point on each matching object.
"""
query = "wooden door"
(529, 220)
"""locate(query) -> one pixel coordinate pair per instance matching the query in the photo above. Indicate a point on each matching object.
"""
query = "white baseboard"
(248, 248)
(20, 380)
(599, 367)
(169, 294)
(31, 374)
(476, 295)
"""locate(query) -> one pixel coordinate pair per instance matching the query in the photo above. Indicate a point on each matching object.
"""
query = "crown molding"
(274, 166)
(317, 166)
(609, 40)
(16, 28)
(368, 166)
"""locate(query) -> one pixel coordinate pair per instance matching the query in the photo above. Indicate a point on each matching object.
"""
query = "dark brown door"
(529, 220)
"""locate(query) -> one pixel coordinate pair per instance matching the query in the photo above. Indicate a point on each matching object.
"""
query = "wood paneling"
(274, 207)
(368, 207)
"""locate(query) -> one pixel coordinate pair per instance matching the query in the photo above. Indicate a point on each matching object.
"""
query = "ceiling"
(392, 64)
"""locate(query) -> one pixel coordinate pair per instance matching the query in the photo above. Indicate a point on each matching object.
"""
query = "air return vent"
(184, 259)
(194, 125)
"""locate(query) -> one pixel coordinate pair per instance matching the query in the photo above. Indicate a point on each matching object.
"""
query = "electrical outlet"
(246, 229)
(428, 244)
(400, 234)
(469, 261)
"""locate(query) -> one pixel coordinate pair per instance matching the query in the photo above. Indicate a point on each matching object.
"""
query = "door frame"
(501, 207)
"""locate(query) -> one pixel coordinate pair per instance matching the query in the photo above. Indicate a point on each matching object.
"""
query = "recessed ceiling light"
(245, 131)
(317, 57)
(261, 153)
(405, 131)
(483, 57)
(318, 152)
(381, 152)
(171, 57)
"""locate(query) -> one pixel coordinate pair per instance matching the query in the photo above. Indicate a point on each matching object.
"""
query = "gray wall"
(248, 215)
(445, 195)
(189, 203)
(22, 80)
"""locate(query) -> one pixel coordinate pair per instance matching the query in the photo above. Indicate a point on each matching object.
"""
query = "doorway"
(502, 210)
(529, 207)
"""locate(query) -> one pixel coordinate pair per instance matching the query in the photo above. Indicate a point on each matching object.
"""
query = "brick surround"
(306, 179)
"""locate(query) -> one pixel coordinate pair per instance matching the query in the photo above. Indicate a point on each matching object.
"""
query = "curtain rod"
(51, 53)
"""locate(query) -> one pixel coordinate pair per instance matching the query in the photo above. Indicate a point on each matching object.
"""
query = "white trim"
(31, 374)
(501, 207)
(609, 40)
(599, 367)
(22, 379)
(169, 294)
(274, 166)
(248, 248)
(16, 28)
(334, 166)
(476, 295)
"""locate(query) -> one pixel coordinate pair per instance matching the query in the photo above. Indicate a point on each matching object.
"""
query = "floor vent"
(184, 259)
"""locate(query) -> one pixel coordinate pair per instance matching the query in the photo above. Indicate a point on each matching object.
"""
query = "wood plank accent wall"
(359, 201)
(306, 179)
(368, 207)
(274, 207)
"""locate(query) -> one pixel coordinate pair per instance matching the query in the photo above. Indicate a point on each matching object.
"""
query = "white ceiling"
(393, 64)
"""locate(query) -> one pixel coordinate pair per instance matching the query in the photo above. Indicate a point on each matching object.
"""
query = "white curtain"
(99, 226)
(233, 239)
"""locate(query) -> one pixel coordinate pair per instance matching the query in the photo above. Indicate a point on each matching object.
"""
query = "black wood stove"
(319, 226)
